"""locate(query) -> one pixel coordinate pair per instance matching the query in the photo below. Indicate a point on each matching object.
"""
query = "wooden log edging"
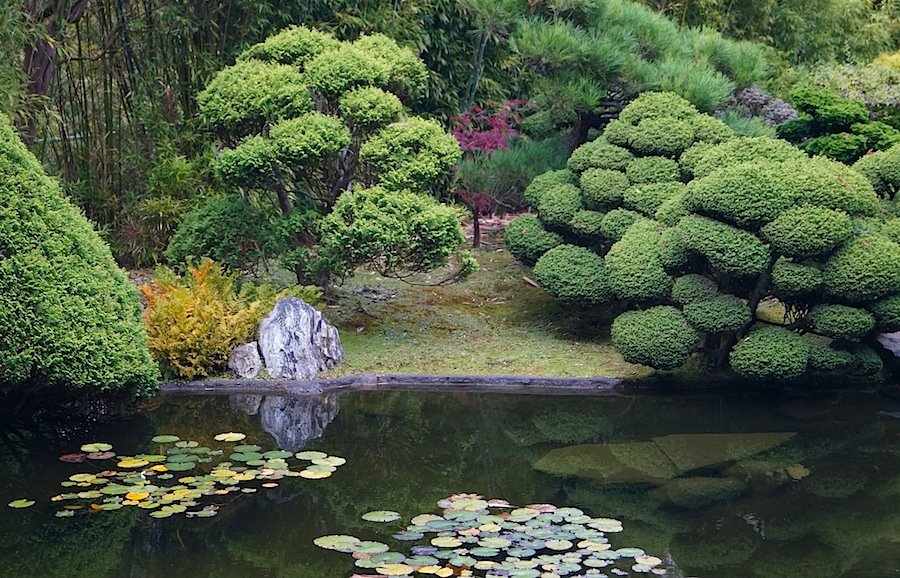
(404, 382)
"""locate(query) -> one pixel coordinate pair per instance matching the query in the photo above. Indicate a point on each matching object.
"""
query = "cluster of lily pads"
(181, 476)
(491, 538)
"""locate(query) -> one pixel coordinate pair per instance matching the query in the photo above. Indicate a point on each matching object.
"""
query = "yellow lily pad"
(132, 463)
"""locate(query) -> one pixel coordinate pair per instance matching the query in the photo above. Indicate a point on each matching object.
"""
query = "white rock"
(297, 342)
(245, 361)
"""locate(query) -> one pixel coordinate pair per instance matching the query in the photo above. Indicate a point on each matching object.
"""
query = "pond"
(777, 484)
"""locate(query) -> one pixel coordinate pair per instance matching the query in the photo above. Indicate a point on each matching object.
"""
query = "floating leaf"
(309, 475)
(559, 544)
(278, 454)
(339, 542)
(329, 461)
(186, 444)
(21, 503)
(229, 437)
(446, 542)
(164, 439)
(136, 495)
(101, 455)
(247, 448)
(408, 536)
(132, 463)
(381, 516)
(76, 458)
(96, 447)
(395, 570)
(311, 455)
(65, 514)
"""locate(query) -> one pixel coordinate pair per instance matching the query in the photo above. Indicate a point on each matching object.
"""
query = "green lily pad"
(96, 447)
(181, 458)
(64, 514)
(630, 552)
(205, 513)
(246, 448)
(310, 455)
(381, 516)
(229, 437)
(559, 544)
(164, 439)
(161, 513)
(246, 457)
(389, 558)
(179, 466)
(329, 461)
(21, 503)
(395, 570)
(369, 547)
(446, 542)
(494, 542)
(339, 542)
(419, 561)
(278, 454)
(408, 536)
(186, 444)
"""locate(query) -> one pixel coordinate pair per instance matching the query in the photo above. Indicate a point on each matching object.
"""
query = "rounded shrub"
(882, 169)
(309, 139)
(559, 204)
(694, 288)
(652, 170)
(543, 182)
(602, 189)
(791, 281)
(745, 149)
(689, 159)
(673, 209)
(830, 112)
(253, 160)
(617, 221)
(721, 313)
(808, 230)
(527, 239)
(227, 230)
(659, 337)
(865, 268)
(771, 353)
(665, 137)
(708, 129)
(824, 356)
(747, 194)
(830, 184)
(369, 108)
(728, 249)
(671, 250)
(70, 320)
(796, 129)
(588, 224)
(887, 313)
(338, 71)
(294, 45)
(646, 199)
(841, 321)
(866, 360)
(617, 132)
(599, 154)
(891, 229)
(573, 274)
(657, 105)
(635, 271)
(842, 147)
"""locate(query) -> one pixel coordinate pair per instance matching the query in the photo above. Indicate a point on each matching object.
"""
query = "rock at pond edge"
(297, 342)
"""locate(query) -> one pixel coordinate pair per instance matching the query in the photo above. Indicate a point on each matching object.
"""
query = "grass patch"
(494, 323)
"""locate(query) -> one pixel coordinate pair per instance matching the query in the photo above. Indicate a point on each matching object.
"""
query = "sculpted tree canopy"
(701, 233)
(306, 120)
(69, 317)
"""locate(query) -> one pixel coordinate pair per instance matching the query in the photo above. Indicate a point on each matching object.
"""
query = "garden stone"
(891, 342)
(245, 361)
(297, 342)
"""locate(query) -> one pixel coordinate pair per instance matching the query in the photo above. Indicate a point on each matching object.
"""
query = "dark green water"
(721, 500)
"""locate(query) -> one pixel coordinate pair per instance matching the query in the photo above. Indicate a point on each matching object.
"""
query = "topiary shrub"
(842, 147)
(830, 112)
(841, 321)
(527, 239)
(558, 205)
(673, 254)
(574, 274)
(730, 250)
(665, 137)
(694, 288)
(830, 184)
(866, 268)
(652, 170)
(747, 194)
(542, 183)
(823, 356)
(887, 313)
(793, 281)
(882, 169)
(617, 221)
(602, 189)
(70, 321)
(742, 150)
(635, 271)
(659, 337)
(588, 224)
(719, 314)
(673, 209)
(771, 353)
(808, 230)
(294, 45)
(599, 154)
(226, 230)
(647, 199)
(866, 359)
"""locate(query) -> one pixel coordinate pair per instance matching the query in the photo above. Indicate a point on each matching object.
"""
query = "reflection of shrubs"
(698, 492)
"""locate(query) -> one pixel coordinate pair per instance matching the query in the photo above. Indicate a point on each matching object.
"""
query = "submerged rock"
(297, 342)
(245, 361)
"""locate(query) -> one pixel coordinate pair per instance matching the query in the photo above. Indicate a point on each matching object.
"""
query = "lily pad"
(130, 463)
(164, 439)
(247, 448)
(277, 454)
(21, 503)
(311, 455)
(339, 542)
(369, 547)
(446, 542)
(96, 447)
(229, 437)
(395, 570)
(381, 516)
(75, 458)
(101, 455)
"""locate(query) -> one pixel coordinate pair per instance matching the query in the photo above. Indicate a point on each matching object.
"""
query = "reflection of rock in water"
(292, 421)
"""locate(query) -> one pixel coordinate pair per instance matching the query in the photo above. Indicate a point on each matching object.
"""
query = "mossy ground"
(494, 323)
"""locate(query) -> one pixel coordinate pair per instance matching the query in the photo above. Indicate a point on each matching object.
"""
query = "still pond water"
(715, 485)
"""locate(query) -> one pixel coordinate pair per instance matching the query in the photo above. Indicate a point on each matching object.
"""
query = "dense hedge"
(771, 353)
(559, 204)
(527, 239)
(573, 274)
(542, 183)
(841, 321)
(69, 317)
(659, 337)
(693, 288)
(652, 170)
